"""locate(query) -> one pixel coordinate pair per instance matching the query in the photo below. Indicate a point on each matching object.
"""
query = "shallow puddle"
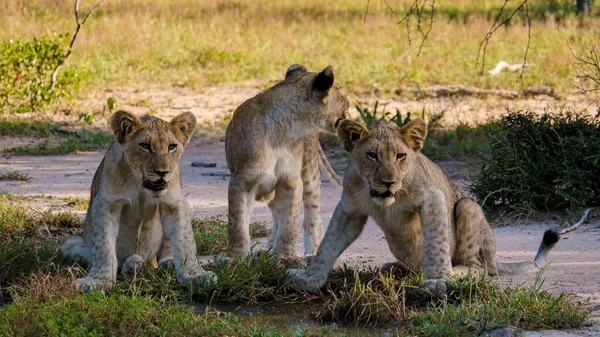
(295, 320)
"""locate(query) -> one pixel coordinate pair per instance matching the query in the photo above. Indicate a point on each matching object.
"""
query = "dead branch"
(578, 224)
(587, 68)
(461, 90)
(481, 52)
(552, 236)
(79, 25)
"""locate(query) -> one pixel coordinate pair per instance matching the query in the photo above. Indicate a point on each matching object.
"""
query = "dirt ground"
(575, 266)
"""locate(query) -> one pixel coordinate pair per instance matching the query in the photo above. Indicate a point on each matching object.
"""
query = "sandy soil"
(575, 263)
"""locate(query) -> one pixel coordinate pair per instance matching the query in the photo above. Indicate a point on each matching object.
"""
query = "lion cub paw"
(436, 285)
(87, 284)
(132, 265)
(204, 278)
(166, 263)
(303, 280)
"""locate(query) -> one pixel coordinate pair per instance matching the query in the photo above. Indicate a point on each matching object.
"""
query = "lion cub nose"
(161, 173)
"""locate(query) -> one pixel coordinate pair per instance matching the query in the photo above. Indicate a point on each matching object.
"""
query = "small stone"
(203, 164)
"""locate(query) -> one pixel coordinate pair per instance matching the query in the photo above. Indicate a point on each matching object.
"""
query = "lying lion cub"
(137, 211)
(273, 153)
(425, 218)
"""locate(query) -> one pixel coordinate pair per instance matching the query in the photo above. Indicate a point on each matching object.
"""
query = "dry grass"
(194, 43)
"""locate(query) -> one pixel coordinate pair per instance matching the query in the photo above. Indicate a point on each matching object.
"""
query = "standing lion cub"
(137, 211)
(273, 153)
(427, 222)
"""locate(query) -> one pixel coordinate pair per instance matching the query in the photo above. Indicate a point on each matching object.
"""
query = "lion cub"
(426, 220)
(137, 211)
(273, 153)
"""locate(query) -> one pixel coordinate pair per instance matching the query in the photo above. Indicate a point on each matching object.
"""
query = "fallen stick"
(552, 236)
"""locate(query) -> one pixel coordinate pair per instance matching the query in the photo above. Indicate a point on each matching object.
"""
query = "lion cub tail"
(327, 170)
(549, 240)
(76, 247)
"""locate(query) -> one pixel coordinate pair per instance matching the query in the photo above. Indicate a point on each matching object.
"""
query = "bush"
(26, 69)
(541, 162)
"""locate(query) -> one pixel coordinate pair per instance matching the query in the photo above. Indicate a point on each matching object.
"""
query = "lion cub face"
(153, 147)
(383, 154)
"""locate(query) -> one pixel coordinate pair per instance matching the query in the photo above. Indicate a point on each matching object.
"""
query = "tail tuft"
(549, 240)
(551, 237)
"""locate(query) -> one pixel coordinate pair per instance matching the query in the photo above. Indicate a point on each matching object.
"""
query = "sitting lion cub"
(273, 153)
(426, 220)
(136, 204)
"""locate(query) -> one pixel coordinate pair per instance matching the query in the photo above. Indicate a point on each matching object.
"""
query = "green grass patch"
(16, 176)
(95, 314)
(237, 35)
(86, 141)
(26, 240)
(211, 233)
(25, 127)
(76, 203)
(475, 305)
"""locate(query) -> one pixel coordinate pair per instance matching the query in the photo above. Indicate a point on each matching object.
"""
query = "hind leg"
(311, 197)
(286, 210)
(475, 241)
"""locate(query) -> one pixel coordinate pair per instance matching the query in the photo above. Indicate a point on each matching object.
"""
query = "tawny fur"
(427, 222)
(137, 212)
(273, 154)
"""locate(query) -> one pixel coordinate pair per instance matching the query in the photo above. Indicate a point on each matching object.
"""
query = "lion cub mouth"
(386, 194)
(382, 198)
(159, 185)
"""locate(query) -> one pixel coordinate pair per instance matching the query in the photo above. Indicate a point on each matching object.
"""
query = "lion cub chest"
(281, 163)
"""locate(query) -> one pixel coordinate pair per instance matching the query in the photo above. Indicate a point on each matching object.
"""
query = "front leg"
(104, 265)
(177, 227)
(437, 261)
(343, 229)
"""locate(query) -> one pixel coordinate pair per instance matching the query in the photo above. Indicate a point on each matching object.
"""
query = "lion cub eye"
(146, 147)
(372, 155)
(400, 156)
(172, 147)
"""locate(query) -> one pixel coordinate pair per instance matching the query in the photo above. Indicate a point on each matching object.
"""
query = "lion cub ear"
(295, 69)
(414, 133)
(184, 125)
(349, 132)
(323, 81)
(123, 123)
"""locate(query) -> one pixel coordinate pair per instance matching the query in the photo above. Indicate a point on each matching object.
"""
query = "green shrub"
(541, 162)
(26, 69)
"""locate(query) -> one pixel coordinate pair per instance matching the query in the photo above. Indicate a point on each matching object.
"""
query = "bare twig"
(481, 52)
(418, 11)
(520, 78)
(79, 25)
(587, 68)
